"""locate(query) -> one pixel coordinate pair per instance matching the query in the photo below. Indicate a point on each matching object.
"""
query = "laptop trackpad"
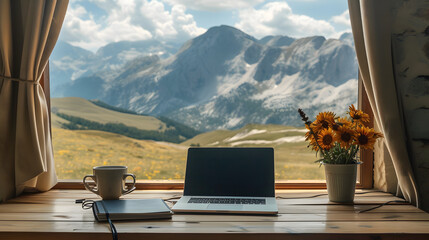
(225, 207)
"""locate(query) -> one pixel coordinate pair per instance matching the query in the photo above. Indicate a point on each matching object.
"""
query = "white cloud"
(277, 18)
(98, 22)
(78, 23)
(185, 23)
(130, 20)
(342, 19)
(341, 23)
(215, 5)
(176, 24)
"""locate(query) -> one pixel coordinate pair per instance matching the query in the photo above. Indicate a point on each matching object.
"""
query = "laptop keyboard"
(227, 200)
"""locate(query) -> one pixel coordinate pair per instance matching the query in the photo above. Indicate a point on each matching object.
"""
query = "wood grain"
(366, 173)
(86, 216)
(416, 227)
(65, 207)
(54, 215)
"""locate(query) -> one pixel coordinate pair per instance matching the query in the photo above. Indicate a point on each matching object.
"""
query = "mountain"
(69, 63)
(189, 77)
(348, 38)
(277, 41)
(226, 78)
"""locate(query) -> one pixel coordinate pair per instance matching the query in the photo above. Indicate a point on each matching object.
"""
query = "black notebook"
(131, 209)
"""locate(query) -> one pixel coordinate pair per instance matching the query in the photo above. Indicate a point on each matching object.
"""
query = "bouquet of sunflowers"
(338, 139)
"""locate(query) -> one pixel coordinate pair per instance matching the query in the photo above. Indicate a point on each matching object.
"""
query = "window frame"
(365, 172)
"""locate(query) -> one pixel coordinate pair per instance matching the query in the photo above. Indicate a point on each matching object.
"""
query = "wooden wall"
(410, 47)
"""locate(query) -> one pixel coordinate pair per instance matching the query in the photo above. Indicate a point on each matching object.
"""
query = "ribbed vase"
(341, 182)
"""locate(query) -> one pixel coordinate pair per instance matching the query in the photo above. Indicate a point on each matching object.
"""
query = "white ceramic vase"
(341, 182)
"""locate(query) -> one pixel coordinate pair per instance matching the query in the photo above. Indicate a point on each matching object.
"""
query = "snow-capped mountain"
(225, 79)
(69, 63)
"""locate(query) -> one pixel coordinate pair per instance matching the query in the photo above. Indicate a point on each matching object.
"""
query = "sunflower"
(341, 122)
(344, 122)
(326, 138)
(313, 145)
(324, 120)
(345, 136)
(310, 136)
(358, 115)
(336, 127)
(315, 127)
(378, 135)
(365, 137)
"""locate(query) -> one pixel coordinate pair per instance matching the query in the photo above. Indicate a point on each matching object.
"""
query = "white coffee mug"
(110, 181)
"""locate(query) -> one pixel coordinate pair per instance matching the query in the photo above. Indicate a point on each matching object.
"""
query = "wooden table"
(54, 215)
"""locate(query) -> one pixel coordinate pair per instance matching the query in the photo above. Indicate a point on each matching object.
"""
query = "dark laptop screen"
(230, 172)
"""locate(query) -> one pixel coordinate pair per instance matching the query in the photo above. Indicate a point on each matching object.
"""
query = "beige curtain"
(372, 30)
(29, 30)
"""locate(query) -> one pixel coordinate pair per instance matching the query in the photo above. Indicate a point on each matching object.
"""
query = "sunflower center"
(363, 139)
(325, 124)
(327, 140)
(357, 116)
(346, 137)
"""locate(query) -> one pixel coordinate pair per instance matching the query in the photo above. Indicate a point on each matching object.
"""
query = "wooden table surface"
(54, 215)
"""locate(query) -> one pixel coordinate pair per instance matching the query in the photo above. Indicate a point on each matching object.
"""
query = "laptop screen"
(247, 172)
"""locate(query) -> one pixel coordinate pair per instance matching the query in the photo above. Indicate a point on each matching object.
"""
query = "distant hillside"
(83, 108)
(113, 108)
(249, 135)
(80, 114)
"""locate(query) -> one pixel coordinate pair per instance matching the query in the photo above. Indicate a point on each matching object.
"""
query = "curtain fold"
(29, 30)
(372, 30)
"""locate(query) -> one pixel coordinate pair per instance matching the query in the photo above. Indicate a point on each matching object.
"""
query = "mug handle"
(87, 186)
(126, 191)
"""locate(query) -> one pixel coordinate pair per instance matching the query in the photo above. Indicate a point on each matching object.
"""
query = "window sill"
(178, 184)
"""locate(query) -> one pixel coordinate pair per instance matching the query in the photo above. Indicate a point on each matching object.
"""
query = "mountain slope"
(79, 107)
(189, 77)
(67, 63)
(80, 114)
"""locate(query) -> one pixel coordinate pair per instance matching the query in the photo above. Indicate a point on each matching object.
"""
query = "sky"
(91, 24)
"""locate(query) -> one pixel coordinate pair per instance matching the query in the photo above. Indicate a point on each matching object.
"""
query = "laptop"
(229, 180)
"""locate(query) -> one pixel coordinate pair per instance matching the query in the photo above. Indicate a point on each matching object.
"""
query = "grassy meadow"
(77, 151)
(293, 160)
